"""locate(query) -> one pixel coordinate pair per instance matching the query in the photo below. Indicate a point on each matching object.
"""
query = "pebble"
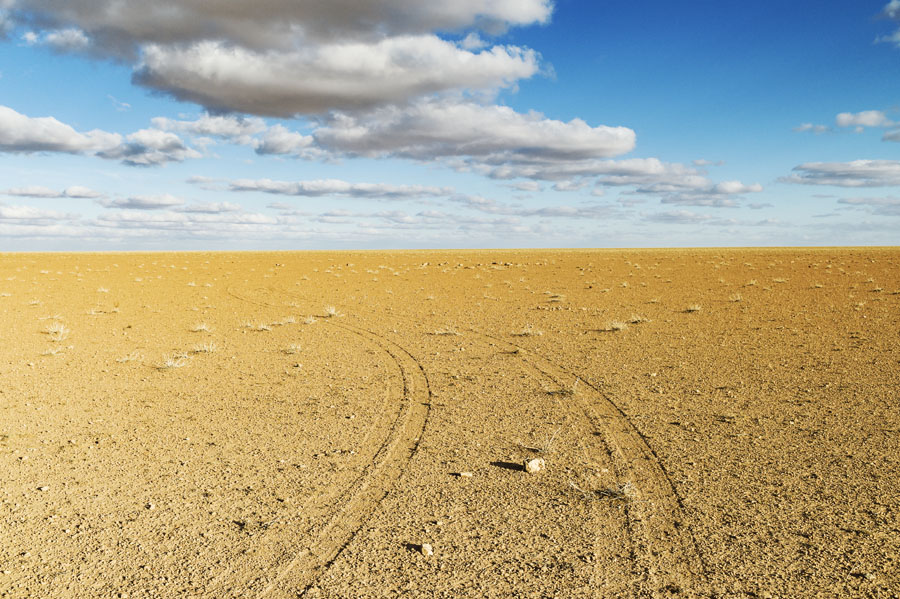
(535, 465)
(45, 488)
(466, 474)
(427, 550)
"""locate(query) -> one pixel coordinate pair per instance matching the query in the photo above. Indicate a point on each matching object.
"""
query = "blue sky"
(525, 123)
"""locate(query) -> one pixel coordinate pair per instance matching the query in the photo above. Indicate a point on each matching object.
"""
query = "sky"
(301, 124)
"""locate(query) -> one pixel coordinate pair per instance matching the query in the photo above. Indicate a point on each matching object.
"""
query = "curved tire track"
(665, 547)
(665, 551)
(324, 543)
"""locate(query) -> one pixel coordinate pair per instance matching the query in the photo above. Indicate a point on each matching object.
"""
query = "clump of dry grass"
(293, 348)
(529, 331)
(57, 331)
(448, 331)
(205, 348)
(693, 308)
(616, 325)
(331, 312)
(201, 327)
(132, 357)
(637, 319)
(177, 360)
(736, 297)
(309, 320)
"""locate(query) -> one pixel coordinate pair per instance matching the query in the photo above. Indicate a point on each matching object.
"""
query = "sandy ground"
(713, 423)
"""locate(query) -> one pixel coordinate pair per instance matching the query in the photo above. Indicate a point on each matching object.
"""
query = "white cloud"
(211, 208)
(891, 135)
(37, 191)
(331, 187)
(886, 206)
(21, 133)
(336, 75)
(234, 128)
(119, 25)
(67, 40)
(148, 147)
(585, 211)
(31, 214)
(280, 140)
(283, 57)
(866, 118)
(151, 147)
(857, 173)
(118, 105)
(154, 202)
(810, 127)
(496, 135)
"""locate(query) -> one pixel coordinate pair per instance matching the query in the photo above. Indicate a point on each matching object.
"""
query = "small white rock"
(535, 465)
(427, 550)
(466, 474)
(44, 488)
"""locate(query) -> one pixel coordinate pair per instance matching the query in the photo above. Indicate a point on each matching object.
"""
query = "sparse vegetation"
(529, 331)
(448, 331)
(132, 357)
(331, 312)
(736, 297)
(201, 327)
(57, 331)
(293, 348)
(693, 308)
(616, 325)
(205, 348)
(172, 361)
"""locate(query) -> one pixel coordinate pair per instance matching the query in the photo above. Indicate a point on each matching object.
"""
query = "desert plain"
(712, 423)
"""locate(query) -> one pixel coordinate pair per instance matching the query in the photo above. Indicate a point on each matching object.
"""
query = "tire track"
(665, 552)
(322, 544)
(665, 548)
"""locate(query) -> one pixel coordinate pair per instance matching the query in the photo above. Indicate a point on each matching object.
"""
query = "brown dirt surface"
(713, 423)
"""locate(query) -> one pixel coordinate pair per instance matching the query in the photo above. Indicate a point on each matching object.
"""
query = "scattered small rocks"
(534, 465)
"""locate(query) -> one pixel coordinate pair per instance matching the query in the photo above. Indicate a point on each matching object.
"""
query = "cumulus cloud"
(37, 191)
(338, 75)
(121, 25)
(151, 147)
(148, 147)
(23, 134)
(866, 118)
(812, 128)
(238, 129)
(280, 140)
(493, 135)
(857, 173)
(335, 187)
(283, 58)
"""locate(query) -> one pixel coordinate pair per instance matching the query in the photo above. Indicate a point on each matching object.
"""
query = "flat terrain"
(713, 423)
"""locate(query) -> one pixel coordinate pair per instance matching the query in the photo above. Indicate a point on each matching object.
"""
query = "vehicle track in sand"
(665, 550)
(321, 545)
(667, 559)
